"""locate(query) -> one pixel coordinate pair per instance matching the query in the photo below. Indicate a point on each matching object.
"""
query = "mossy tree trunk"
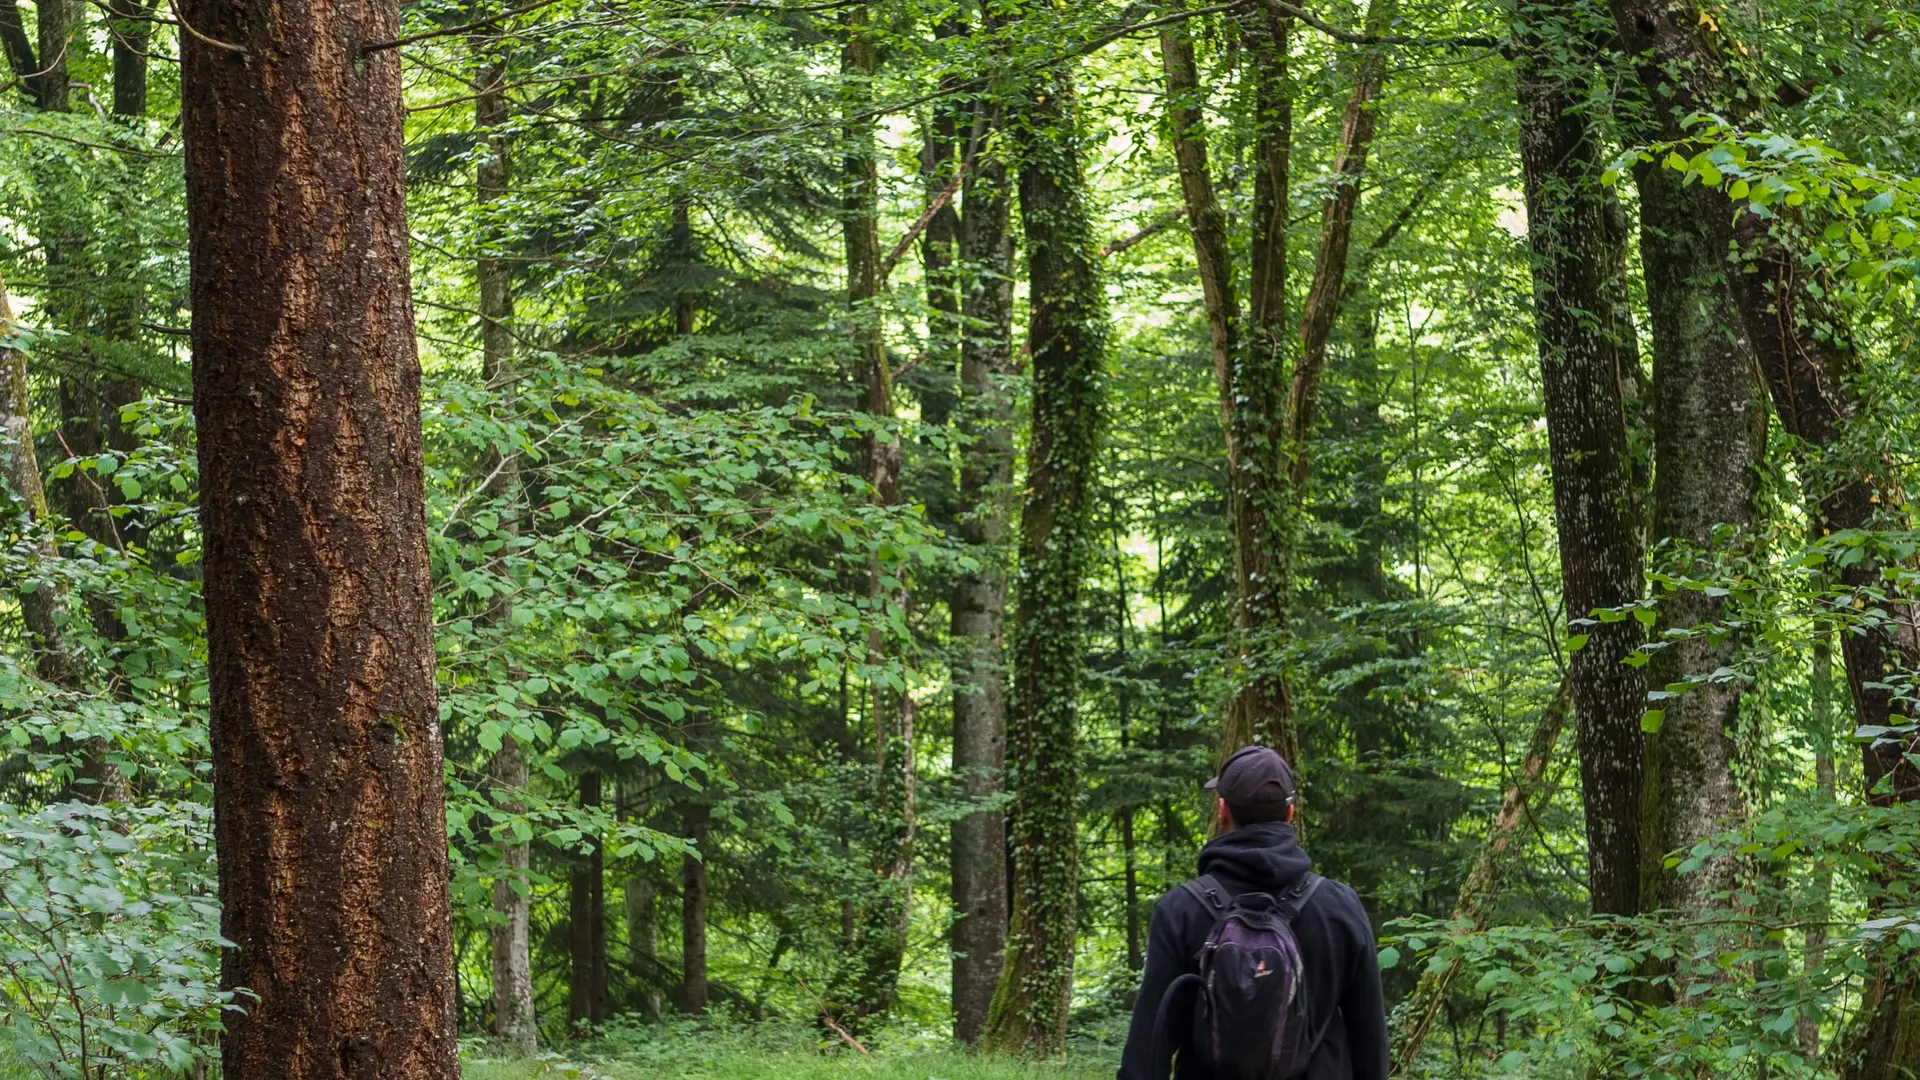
(329, 796)
(1709, 432)
(1689, 62)
(1066, 337)
(1595, 505)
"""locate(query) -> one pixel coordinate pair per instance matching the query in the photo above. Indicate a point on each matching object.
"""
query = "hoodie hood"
(1266, 857)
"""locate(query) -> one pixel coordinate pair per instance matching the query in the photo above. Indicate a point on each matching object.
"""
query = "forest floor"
(768, 1055)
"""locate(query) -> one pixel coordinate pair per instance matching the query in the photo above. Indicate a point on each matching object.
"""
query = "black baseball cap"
(1256, 783)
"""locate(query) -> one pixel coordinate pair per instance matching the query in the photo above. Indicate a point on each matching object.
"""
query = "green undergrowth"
(686, 1051)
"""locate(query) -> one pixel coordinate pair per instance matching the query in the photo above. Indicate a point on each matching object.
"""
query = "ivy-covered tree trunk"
(1581, 363)
(979, 600)
(1709, 431)
(1267, 417)
(871, 976)
(1256, 425)
(1066, 339)
(329, 811)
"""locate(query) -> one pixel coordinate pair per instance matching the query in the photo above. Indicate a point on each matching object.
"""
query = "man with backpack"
(1259, 969)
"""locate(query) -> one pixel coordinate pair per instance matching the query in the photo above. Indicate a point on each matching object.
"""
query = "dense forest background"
(880, 453)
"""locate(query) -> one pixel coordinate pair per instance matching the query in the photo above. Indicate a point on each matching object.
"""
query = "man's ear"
(1292, 809)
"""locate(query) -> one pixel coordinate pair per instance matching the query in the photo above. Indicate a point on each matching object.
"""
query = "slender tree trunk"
(942, 156)
(1821, 907)
(642, 896)
(54, 20)
(39, 605)
(869, 984)
(1066, 335)
(1580, 364)
(514, 1021)
(1482, 887)
(131, 26)
(1251, 380)
(1130, 902)
(979, 601)
(510, 938)
(1357, 129)
(329, 813)
(694, 818)
(587, 997)
(1710, 429)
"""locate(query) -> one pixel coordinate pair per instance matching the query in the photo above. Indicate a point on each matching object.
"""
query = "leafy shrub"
(109, 939)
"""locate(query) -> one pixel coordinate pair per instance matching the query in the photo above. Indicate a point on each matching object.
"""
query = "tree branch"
(1468, 41)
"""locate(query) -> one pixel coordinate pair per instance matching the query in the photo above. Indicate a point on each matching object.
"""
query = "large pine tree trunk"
(1710, 428)
(1066, 336)
(329, 813)
(1581, 361)
(979, 601)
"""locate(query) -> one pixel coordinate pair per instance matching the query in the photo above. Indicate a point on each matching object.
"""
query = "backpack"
(1251, 1017)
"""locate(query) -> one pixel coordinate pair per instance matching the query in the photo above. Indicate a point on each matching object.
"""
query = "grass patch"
(765, 1052)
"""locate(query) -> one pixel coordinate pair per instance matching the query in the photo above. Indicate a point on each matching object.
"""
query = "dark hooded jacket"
(1337, 955)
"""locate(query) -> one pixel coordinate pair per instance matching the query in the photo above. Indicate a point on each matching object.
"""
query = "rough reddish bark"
(330, 824)
(1581, 361)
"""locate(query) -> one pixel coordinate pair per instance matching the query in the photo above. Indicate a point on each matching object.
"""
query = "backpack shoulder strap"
(1294, 901)
(1211, 894)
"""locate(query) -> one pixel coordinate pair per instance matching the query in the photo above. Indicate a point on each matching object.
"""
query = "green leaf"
(1652, 720)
